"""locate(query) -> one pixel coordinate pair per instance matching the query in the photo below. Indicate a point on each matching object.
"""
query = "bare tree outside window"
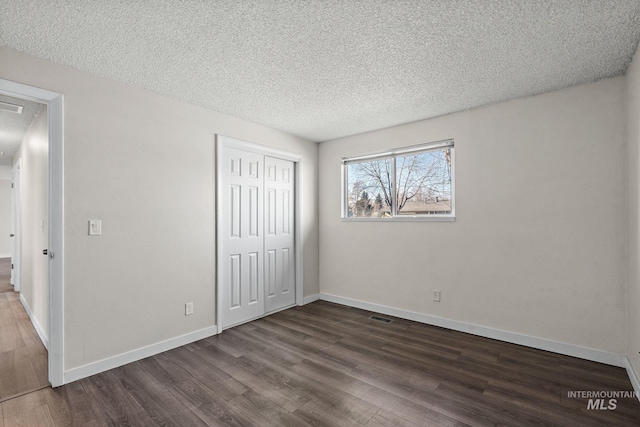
(422, 180)
(371, 181)
(424, 183)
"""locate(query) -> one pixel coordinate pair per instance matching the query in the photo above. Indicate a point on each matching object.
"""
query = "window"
(408, 183)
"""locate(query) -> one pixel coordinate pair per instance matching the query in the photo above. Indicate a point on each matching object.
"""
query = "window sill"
(407, 218)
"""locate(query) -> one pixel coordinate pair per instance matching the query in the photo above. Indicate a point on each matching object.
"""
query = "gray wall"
(633, 211)
(144, 165)
(538, 245)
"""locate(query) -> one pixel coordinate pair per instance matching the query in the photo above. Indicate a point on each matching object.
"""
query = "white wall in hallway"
(5, 217)
(34, 192)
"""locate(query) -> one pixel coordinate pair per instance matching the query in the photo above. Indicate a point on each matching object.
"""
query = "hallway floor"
(23, 358)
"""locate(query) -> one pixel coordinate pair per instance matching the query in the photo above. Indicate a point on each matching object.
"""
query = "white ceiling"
(323, 69)
(13, 126)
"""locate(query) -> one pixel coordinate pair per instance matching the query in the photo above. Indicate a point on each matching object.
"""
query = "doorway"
(258, 240)
(53, 226)
(24, 310)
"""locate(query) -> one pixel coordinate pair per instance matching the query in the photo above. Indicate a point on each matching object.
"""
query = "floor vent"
(380, 319)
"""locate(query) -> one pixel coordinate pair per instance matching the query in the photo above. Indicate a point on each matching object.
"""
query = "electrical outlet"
(188, 309)
(436, 296)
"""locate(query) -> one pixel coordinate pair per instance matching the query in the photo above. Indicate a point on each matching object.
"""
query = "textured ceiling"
(329, 68)
(13, 126)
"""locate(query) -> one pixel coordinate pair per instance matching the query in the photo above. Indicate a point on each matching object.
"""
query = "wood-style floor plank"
(318, 414)
(376, 396)
(28, 410)
(329, 365)
(10, 338)
(39, 416)
(282, 394)
(342, 401)
(17, 374)
(72, 405)
(385, 419)
(5, 275)
(159, 405)
(263, 412)
(115, 404)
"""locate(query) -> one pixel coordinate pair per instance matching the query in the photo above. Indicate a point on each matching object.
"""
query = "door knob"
(11, 235)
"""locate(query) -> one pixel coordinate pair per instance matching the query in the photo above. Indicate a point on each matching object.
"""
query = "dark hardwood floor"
(329, 365)
(23, 358)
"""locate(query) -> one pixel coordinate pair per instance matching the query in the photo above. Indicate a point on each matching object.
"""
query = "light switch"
(95, 227)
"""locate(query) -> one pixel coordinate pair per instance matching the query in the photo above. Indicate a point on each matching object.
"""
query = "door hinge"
(12, 266)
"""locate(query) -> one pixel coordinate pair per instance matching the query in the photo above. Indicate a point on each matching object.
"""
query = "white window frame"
(394, 153)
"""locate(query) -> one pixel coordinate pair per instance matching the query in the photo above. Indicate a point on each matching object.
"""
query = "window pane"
(369, 189)
(424, 183)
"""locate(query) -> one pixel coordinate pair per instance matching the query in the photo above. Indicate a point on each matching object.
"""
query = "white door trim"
(225, 141)
(55, 109)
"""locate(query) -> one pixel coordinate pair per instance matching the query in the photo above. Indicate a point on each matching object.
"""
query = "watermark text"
(602, 400)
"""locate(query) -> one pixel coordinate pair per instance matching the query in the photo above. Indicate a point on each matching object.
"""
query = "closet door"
(241, 228)
(279, 251)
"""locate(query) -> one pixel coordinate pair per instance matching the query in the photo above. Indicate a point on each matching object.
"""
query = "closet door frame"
(225, 141)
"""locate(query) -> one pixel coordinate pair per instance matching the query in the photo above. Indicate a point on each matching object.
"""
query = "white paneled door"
(278, 234)
(257, 268)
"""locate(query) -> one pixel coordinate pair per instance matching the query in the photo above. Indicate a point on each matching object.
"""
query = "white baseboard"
(5, 255)
(135, 355)
(36, 324)
(310, 298)
(632, 376)
(592, 354)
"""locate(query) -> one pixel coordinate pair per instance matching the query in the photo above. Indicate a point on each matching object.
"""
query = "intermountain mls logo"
(602, 400)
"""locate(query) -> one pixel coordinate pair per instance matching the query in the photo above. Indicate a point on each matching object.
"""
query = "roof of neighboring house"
(417, 207)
